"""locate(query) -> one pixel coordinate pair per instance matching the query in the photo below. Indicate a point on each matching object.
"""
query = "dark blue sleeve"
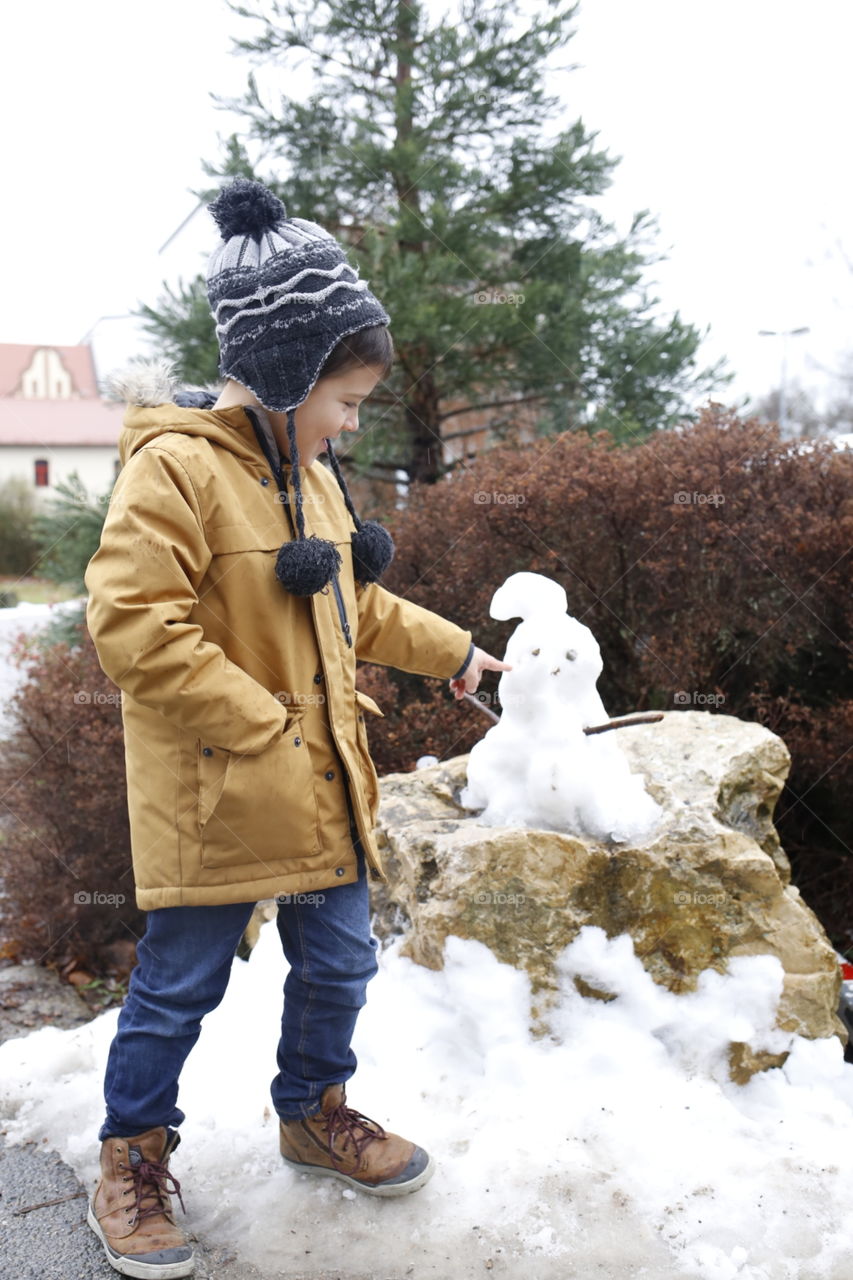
(464, 667)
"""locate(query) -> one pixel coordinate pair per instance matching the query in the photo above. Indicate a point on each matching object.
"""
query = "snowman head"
(554, 657)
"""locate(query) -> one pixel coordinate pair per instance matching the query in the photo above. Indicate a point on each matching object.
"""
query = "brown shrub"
(65, 839)
(746, 600)
(421, 720)
(737, 599)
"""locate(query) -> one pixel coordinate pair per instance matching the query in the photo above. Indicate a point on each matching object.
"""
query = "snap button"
(339, 871)
(207, 751)
(265, 479)
(297, 742)
(330, 773)
(317, 678)
(361, 715)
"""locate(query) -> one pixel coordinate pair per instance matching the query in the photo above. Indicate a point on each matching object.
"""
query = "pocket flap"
(367, 703)
(233, 539)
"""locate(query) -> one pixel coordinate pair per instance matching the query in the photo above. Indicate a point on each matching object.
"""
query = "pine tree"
(422, 150)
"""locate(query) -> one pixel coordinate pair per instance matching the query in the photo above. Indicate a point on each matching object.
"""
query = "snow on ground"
(613, 1148)
(25, 618)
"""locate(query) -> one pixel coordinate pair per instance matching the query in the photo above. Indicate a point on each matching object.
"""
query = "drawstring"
(272, 459)
(294, 464)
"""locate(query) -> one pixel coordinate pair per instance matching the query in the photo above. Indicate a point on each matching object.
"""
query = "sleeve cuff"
(458, 674)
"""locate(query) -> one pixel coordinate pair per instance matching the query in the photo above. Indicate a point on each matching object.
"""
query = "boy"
(232, 592)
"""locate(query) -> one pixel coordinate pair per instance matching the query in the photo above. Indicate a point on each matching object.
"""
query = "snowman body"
(536, 767)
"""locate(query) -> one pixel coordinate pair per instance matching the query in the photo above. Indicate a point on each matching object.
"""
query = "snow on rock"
(536, 767)
(613, 1148)
(712, 883)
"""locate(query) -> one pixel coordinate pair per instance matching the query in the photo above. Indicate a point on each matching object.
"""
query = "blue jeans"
(183, 966)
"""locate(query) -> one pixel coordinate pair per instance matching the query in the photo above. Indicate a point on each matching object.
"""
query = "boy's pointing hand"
(480, 662)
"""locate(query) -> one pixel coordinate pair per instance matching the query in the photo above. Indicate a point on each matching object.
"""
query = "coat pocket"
(258, 809)
(371, 778)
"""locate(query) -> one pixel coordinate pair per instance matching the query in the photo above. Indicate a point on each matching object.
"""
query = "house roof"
(16, 357)
(53, 423)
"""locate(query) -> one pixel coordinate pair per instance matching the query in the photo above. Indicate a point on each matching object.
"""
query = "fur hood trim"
(149, 382)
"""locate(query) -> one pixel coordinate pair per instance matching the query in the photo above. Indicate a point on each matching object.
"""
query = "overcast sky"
(732, 120)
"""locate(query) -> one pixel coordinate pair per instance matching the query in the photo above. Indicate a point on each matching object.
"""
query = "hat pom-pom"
(246, 208)
(306, 566)
(372, 551)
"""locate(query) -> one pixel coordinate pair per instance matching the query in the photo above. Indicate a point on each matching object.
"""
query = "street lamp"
(86, 339)
(784, 334)
(81, 342)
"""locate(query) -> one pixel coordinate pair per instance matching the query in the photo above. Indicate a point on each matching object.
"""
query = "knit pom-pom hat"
(283, 295)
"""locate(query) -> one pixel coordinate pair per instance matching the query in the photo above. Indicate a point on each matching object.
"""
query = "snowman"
(536, 767)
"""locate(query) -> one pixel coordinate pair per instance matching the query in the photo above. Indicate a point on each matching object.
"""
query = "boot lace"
(152, 1179)
(359, 1129)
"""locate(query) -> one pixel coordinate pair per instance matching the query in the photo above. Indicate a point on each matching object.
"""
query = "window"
(41, 473)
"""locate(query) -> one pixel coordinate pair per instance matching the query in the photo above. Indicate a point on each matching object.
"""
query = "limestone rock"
(712, 882)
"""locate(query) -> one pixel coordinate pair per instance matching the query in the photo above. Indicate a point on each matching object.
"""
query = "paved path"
(55, 1242)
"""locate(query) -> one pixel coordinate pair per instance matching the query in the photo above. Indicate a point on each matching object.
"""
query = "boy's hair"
(370, 348)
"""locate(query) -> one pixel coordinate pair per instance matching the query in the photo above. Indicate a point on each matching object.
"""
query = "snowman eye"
(571, 654)
(535, 652)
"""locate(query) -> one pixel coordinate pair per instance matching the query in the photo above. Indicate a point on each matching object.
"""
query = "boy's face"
(330, 409)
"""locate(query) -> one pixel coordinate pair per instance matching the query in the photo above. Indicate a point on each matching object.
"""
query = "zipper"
(342, 613)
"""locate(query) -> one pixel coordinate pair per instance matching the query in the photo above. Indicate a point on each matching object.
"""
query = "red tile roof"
(16, 357)
(59, 422)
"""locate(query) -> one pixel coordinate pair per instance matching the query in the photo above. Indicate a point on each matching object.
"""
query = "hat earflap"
(372, 545)
(307, 565)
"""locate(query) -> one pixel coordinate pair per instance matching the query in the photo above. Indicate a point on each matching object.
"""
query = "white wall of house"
(96, 465)
(46, 378)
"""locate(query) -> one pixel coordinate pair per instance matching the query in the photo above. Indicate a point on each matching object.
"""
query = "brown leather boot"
(342, 1143)
(131, 1210)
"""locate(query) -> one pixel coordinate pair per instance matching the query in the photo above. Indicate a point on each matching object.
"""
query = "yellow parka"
(243, 728)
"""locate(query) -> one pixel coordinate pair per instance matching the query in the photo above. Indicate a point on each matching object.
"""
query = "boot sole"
(140, 1270)
(388, 1189)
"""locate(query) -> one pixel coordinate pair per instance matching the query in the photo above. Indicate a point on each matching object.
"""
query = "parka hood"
(157, 403)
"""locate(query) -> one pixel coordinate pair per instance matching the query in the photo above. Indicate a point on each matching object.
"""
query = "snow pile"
(537, 767)
(22, 619)
(615, 1148)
